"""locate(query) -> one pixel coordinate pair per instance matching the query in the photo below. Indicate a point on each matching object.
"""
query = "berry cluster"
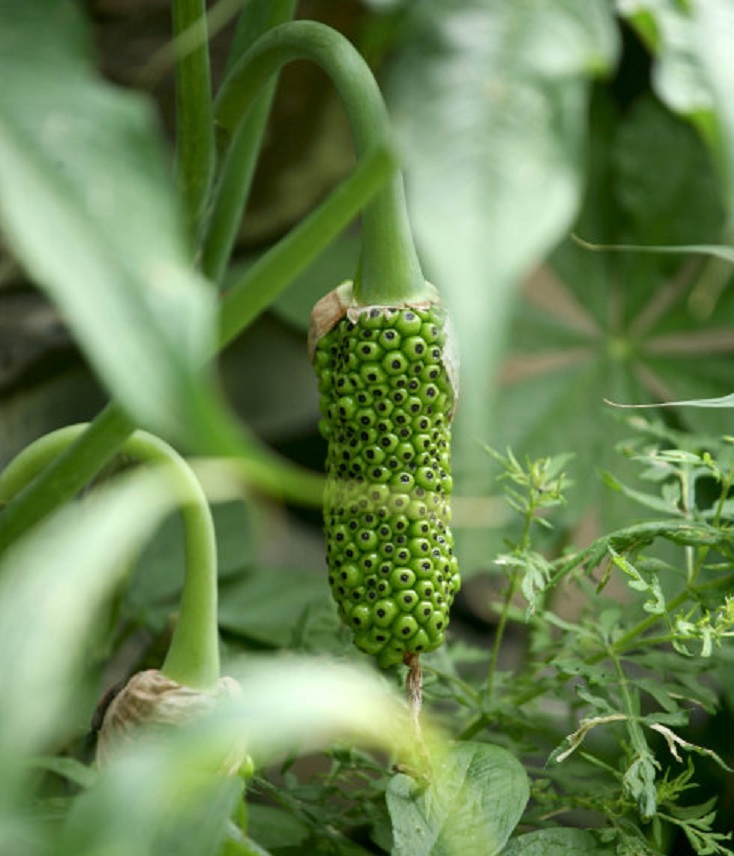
(386, 402)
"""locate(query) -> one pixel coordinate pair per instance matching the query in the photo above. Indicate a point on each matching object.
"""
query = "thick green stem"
(389, 272)
(279, 266)
(66, 475)
(194, 122)
(193, 656)
(235, 174)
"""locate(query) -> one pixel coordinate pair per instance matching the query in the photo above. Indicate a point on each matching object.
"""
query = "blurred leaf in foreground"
(89, 209)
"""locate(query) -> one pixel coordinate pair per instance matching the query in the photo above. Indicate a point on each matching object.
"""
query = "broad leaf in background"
(477, 795)
(89, 210)
(152, 592)
(490, 101)
(281, 607)
(628, 327)
(694, 71)
(713, 34)
(665, 26)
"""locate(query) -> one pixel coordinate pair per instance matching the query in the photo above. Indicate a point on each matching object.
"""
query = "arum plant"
(385, 336)
(382, 346)
(384, 357)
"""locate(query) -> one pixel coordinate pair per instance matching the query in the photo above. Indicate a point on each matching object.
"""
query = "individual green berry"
(421, 641)
(390, 339)
(371, 642)
(395, 363)
(384, 612)
(361, 617)
(370, 351)
(405, 627)
(401, 578)
(372, 374)
(415, 348)
(407, 323)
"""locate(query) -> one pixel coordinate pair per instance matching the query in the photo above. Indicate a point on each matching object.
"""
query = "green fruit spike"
(388, 391)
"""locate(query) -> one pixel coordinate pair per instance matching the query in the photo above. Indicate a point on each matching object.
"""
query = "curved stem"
(193, 655)
(389, 272)
(260, 284)
(66, 475)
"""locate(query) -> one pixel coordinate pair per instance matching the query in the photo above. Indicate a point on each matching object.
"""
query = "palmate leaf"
(624, 327)
(89, 210)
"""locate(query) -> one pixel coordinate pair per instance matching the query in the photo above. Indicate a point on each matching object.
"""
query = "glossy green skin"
(386, 401)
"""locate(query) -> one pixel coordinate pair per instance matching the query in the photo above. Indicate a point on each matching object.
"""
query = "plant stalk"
(236, 171)
(277, 268)
(389, 272)
(65, 476)
(194, 121)
(193, 655)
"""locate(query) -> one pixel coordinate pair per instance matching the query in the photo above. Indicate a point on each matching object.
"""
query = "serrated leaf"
(477, 796)
(563, 841)
(649, 500)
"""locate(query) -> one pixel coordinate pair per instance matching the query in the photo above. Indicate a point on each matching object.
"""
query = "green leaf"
(157, 578)
(717, 250)
(53, 586)
(274, 606)
(634, 328)
(168, 796)
(722, 401)
(125, 813)
(88, 208)
(503, 88)
(274, 827)
(563, 841)
(694, 73)
(475, 800)
(665, 26)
